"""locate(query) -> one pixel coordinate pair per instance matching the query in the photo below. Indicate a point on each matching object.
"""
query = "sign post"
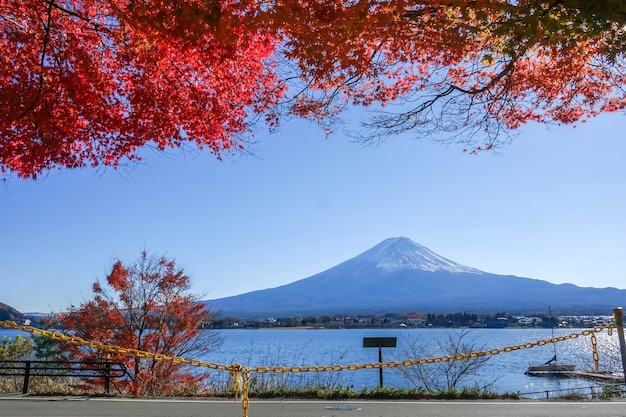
(379, 342)
(619, 323)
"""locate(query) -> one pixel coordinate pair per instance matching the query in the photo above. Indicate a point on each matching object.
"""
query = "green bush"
(14, 349)
(611, 391)
(18, 348)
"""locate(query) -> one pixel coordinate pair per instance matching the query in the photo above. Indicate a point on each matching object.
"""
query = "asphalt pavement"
(28, 406)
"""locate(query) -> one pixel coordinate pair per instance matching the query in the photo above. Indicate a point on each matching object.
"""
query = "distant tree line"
(412, 320)
(452, 320)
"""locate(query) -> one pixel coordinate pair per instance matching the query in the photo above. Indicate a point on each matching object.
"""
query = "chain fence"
(241, 374)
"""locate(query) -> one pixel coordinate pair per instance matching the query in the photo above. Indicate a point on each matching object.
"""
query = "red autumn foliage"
(90, 82)
(144, 306)
(468, 71)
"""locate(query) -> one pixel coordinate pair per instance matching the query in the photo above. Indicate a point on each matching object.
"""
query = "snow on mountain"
(399, 275)
(401, 253)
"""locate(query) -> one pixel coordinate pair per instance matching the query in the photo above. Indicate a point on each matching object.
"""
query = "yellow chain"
(235, 369)
(594, 346)
(245, 400)
(117, 349)
(424, 361)
(242, 375)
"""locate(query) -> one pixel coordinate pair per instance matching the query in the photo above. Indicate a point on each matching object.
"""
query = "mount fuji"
(399, 275)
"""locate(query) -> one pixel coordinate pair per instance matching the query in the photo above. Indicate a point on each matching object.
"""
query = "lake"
(310, 347)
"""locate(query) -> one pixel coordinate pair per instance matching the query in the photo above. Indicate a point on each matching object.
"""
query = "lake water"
(311, 347)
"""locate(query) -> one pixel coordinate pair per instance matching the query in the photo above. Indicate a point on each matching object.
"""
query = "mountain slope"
(9, 313)
(399, 275)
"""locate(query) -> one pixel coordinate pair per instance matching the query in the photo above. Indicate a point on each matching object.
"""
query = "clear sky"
(551, 206)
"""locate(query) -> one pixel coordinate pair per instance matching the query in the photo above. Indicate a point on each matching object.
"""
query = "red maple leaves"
(144, 306)
(89, 82)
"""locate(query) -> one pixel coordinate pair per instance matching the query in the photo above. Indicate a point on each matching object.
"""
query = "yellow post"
(619, 323)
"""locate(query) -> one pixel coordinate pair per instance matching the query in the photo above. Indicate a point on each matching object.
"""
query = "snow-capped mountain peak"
(402, 253)
(398, 275)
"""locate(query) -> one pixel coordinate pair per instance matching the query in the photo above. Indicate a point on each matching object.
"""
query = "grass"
(384, 393)
(68, 387)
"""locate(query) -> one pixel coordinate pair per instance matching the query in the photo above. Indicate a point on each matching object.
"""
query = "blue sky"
(550, 206)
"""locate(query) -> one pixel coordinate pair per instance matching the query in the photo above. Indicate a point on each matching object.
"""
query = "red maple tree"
(89, 82)
(466, 70)
(145, 306)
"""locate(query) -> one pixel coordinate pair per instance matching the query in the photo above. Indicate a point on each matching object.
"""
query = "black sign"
(379, 342)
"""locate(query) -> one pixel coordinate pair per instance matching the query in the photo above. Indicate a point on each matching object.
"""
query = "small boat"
(553, 366)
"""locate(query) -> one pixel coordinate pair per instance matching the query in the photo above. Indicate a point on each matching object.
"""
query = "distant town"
(414, 320)
(389, 320)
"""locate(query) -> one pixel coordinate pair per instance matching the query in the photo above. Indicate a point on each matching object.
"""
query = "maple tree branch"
(434, 6)
(97, 26)
(66, 10)
(11, 20)
(508, 68)
(46, 39)
(450, 103)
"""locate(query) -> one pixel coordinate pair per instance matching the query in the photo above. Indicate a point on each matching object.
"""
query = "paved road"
(18, 406)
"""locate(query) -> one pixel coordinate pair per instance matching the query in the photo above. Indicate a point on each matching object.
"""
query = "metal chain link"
(118, 349)
(242, 374)
(594, 347)
(425, 361)
(245, 401)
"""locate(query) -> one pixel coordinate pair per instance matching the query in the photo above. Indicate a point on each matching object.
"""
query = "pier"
(589, 375)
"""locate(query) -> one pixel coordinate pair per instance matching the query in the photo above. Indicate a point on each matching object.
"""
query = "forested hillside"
(9, 313)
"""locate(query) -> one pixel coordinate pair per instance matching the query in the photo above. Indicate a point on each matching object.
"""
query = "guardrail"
(604, 391)
(57, 369)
